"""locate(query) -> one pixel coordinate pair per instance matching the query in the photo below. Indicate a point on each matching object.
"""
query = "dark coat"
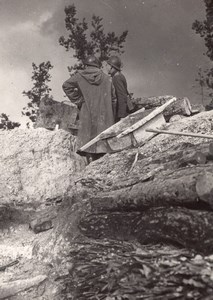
(120, 84)
(94, 89)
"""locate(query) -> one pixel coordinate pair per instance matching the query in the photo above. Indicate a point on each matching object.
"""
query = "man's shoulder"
(119, 75)
(73, 77)
(106, 77)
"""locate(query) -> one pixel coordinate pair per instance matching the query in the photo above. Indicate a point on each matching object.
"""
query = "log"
(189, 228)
(211, 148)
(153, 189)
(165, 179)
(193, 157)
(151, 102)
(204, 187)
(162, 180)
(209, 152)
(181, 107)
(149, 117)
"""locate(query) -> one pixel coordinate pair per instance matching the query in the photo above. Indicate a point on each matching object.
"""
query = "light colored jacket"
(93, 91)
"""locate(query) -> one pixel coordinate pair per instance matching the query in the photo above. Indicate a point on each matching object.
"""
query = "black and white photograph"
(106, 149)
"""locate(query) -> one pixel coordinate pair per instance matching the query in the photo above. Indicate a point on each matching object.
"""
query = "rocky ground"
(132, 225)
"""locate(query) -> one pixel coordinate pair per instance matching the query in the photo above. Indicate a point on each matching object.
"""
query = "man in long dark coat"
(124, 105)
(92, 90)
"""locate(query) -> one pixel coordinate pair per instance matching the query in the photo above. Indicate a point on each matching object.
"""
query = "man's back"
(96, 113)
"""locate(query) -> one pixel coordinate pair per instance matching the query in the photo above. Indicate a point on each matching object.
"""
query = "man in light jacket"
(91, 89)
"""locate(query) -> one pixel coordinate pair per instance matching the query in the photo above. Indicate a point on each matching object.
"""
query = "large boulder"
(36, 165)
(54, 113)
(37, 168)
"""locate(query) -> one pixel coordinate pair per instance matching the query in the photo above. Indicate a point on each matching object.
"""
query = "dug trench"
(125, 228)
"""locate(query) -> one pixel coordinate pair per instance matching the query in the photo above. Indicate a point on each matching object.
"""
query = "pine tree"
(6, 123)
(40, 89)
(87, 40)
(205, 30)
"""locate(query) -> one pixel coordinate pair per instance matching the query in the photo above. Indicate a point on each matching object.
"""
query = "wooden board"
(131, 131)
(135, 138)
(151, 116)
(116, 145)
(114, 130)
(141, 135)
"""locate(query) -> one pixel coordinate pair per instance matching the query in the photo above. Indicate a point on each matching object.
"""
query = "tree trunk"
(188, 228)
(174, 188)
(211, 148)
(204, 187)
(151, 102)
(166, 179)
(181, 107)
(193, 157)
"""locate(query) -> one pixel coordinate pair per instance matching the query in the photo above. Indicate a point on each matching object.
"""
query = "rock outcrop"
(36, 166)
(54, 113)
(102, 215)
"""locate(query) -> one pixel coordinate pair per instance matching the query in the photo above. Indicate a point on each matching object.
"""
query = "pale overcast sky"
(162, 52)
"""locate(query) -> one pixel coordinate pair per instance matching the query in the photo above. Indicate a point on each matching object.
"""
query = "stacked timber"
(181, 107)
(164, 184)
(137, 199)
(158, 194)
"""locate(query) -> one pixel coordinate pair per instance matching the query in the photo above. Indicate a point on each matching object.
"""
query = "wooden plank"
(136, 138)
(119, 144)
(114, 129)
(141, 135)
(199, 135)
(151, 102)
(147, 118)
